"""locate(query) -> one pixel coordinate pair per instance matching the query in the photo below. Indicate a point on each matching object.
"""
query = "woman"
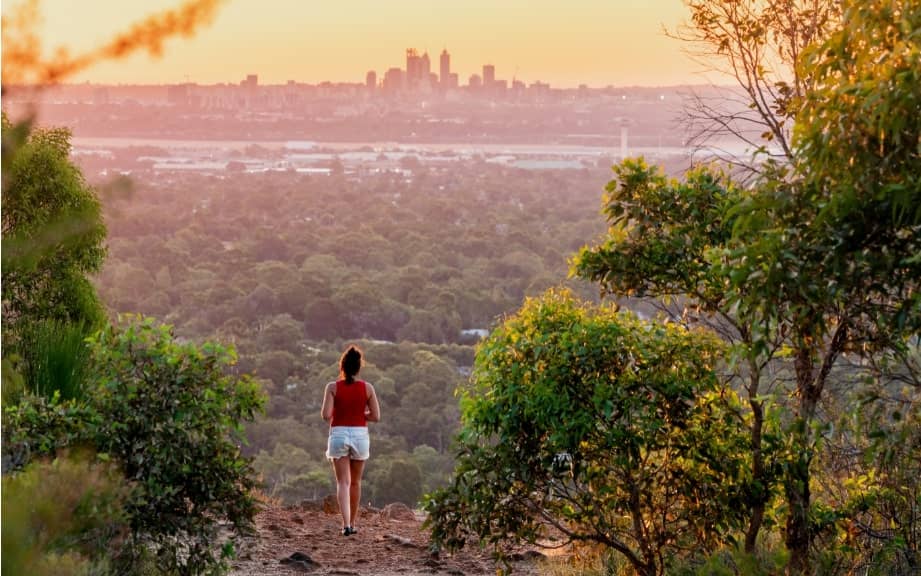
(348, 405)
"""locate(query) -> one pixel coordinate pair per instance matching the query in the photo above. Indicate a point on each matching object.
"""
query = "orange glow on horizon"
(594, 42)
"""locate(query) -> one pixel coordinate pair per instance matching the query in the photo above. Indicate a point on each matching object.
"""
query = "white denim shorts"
(351, 441)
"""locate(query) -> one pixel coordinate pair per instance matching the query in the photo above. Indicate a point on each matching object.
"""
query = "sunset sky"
(597, 42)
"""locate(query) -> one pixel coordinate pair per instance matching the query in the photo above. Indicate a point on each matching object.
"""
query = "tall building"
(489, 75)
(371, 81)
(393, 81)
(413, 68)
(444, 77)
(426, 66)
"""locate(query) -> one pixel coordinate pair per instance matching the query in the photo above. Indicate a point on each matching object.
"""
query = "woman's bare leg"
(356, 467)
(343, 488)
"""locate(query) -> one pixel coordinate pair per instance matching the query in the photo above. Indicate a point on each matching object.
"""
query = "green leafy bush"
(170, 415)
(590, 424)
(63, 517)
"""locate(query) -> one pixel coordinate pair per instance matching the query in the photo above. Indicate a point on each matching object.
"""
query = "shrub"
(63, 517)
(590, 424)
(172, 416)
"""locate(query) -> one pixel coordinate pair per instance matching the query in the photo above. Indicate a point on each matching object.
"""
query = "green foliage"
(36, 426)
(669, 240)
(52, 233)
(600, 426)
(399, 479)
(816, 260)
(56, 359)
(63, 517)
(661, 234)
(172, 415)
(859, 143)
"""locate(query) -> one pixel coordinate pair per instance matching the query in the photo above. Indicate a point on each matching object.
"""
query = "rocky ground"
(390, 542)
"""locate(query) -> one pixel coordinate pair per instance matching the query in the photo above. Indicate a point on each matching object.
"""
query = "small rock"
(312, 505)
(398, 511)
(526, 555)
(330, 504)
(297, 519)
(300, 560)
(401, 540)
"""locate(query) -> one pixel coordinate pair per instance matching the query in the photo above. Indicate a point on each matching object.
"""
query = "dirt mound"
(305, 539)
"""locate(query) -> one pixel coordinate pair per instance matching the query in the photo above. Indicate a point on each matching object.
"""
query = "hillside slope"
(305, 539)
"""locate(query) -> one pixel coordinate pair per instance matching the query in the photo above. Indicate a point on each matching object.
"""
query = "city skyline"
(589, 42)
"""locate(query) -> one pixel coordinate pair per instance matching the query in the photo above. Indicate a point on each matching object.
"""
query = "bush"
(171, 415)
(590, 424)
(63, 517)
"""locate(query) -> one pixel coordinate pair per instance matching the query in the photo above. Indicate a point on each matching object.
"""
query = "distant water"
(315, 157)
(369, 148)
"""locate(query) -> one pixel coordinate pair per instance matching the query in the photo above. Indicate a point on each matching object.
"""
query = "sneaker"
(353, 530)
(347, 531)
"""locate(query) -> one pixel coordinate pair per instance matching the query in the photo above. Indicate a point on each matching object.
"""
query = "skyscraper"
(371, 80)
(426, 66)
(413, 68)
(489, 75)
(445, 69)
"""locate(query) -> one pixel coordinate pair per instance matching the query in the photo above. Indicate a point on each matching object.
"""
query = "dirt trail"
(388, 543)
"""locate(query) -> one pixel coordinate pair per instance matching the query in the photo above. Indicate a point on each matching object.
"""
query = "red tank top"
(349, 404)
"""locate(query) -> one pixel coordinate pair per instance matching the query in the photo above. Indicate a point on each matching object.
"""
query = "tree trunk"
(796, 485)
(797, 476)
(757, 517)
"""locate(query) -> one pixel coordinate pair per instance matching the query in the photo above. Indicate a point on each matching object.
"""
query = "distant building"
(101, 95)
(413, 74)
(426, 66)
(489, 75)
(179, 94)
(539, 89)
(475, 82)
(371, 81)
(444, 68)
(393, 81)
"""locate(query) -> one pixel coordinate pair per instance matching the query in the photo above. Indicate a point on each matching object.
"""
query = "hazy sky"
(564, 42)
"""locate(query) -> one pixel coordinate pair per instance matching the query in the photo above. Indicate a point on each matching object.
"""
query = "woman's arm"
(374, 408)
(327, 410)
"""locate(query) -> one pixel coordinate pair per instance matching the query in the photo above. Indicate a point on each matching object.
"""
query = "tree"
(603, 427)
(53, 233)
(662, 235)
(759, 45)
(823, 254)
